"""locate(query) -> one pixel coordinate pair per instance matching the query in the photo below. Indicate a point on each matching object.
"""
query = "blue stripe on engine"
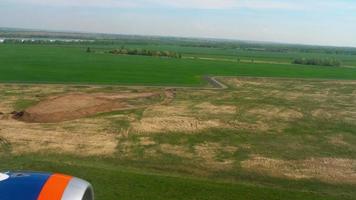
(22, 186)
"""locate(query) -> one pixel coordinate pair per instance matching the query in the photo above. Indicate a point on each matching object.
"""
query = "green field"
(114, 182)
(71, 64)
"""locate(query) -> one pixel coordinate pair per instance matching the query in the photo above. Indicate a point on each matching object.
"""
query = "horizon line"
(177, 37)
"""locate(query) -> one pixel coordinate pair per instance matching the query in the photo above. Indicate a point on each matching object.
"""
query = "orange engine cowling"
(43, 186)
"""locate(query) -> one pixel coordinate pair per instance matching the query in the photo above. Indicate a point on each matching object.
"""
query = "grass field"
(230, 53)
(114, 182)
(71, 64)
(258, 139)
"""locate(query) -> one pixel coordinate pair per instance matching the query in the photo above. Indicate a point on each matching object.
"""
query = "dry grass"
(5, 106)
(194, 120)
(207, 153)
(146, 141)
(167, 110)
(236, 82)
(338, 140)
(257, 126)
(268, 112)
(321, 113)
(176, 150)
(173, 124)
(25, 138)
(334, 170)
(208, 108)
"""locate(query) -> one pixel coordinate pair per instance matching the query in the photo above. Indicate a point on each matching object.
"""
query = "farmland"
(148, 127)
(71, 64)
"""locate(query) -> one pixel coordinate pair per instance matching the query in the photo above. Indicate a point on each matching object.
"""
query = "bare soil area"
(74, 106)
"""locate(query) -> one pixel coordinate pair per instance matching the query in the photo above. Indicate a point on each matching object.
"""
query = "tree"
(88, 50)
(318, 61)
(144, 52)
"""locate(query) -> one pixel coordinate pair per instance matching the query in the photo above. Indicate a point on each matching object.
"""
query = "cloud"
(78, 3)
(306, 5)
(190, 4)
(228, 4)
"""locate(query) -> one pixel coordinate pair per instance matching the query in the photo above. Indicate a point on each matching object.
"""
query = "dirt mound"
(74, 106)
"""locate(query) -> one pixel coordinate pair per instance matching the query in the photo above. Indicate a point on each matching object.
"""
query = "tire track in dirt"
(214, 82)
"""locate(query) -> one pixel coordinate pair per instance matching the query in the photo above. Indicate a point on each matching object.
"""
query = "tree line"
(144, 52)
(45, 41)
(318, 61)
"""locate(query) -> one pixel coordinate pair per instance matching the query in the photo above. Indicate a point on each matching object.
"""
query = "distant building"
(2, 40)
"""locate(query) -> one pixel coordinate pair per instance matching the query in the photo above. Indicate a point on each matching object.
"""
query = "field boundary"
(289, 78)
(211, 80)
(212, 83)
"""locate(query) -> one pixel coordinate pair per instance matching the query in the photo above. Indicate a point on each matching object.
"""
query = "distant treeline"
(44, 41)
(317, 61)
(144, 52)
(47, 37)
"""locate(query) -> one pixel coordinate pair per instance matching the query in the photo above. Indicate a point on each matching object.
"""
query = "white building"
(2, 40)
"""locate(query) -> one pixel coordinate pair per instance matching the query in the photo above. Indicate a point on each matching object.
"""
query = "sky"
(319, 22)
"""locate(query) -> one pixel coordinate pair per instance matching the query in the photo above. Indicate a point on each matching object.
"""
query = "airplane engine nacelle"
(43, 186)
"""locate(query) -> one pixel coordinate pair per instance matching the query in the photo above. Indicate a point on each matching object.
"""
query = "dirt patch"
(74, 106)
(332, 170)
(174, 124)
